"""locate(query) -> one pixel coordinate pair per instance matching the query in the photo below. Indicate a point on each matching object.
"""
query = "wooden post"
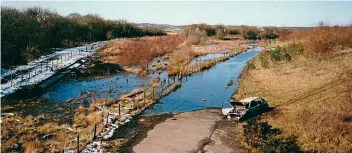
(77, 143)
(144, 95)
(41, 67)
(11, 78)
(95, 131)
(61, 59)
(153, 93)
(29, 74)
(134, 102)
(21, 75)
(119, 111)
(161, 84)
(107, 118)
(35, 71)
(52, 64)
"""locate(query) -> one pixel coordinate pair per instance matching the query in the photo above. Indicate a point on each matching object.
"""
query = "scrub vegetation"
(138, 52)
(307, 79)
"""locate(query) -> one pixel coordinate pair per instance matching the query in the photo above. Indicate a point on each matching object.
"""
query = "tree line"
(32, 32)
(220, 31)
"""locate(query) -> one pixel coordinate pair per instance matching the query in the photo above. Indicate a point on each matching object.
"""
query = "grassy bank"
(311, 92)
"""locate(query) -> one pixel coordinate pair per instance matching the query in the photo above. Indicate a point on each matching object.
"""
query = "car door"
(263, 105)
(253, 108)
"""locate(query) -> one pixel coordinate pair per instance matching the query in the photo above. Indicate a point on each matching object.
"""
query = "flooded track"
(206, 89)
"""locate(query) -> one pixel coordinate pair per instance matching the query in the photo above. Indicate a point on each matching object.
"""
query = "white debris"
(70, 129)
(69, 151)
(8, 114)
(101, 107)
(96, 146)
(93, 147)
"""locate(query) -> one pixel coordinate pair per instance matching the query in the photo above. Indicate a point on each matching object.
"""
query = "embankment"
(311, 96)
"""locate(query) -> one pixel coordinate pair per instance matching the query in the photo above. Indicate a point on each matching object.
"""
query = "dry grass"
(138, 52)
(32, 145)
(33, 136)
(180, 59)
(216, 46)
(322, 40)
(312, 98)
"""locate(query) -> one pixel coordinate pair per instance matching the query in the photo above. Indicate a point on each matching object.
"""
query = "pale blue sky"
(210, 12)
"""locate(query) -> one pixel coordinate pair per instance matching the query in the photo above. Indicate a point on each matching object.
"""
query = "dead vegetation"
(325, 40)
(179, 63)
(138, 52)
(180, 59)
(310, 95)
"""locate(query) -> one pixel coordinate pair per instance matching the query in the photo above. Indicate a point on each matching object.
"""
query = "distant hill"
(166, 27)
(177, 28)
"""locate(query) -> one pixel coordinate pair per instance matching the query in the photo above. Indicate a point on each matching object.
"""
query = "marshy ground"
(79, 109)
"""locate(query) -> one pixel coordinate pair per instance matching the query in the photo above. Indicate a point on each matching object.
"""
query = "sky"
(260, 13)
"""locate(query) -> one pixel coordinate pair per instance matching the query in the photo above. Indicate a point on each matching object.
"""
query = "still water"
(206, 89)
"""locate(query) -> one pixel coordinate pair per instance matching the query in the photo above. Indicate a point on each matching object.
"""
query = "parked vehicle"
(248, 107)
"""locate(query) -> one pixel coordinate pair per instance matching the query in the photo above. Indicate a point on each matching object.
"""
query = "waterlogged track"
(206, 89)
(189, 130)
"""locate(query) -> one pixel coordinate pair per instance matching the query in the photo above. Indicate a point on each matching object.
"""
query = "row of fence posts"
(66, 56)
(119, 112)
(94, 130)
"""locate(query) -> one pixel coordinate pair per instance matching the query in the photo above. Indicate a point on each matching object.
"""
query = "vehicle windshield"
(226, 105)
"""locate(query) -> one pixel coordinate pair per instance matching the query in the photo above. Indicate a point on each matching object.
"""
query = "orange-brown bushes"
(138, 52)
(322, 40)
(325, 40)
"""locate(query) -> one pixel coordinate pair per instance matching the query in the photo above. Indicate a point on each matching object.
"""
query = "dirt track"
(183, 132)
